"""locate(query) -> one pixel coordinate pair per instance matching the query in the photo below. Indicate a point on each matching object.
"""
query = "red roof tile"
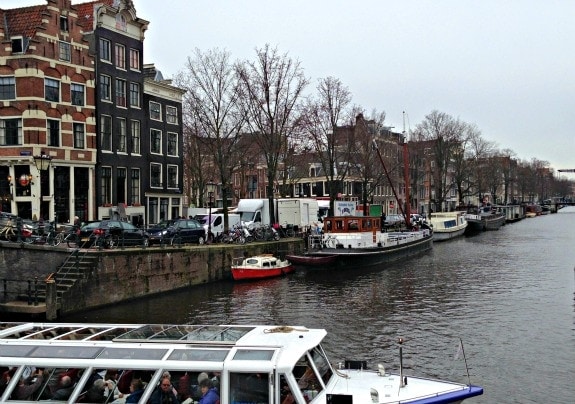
(85, 12)
(23, 21)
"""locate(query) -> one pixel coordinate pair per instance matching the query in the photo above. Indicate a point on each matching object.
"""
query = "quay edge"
(114, 276)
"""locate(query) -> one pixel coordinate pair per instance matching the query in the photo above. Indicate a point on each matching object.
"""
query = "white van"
(217, 226)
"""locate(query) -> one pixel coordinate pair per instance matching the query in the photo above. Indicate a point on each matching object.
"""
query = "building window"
(17, 43)
(155, 175)
(135, 137)
(64, 23)
(156, 141)
(10, 132)
(105, 50)
(120, 92)
(121, 135)
(120, 53)
(65, 51)
(172, 144)
(52, 90)
(77, 94)
(172, 115)
(79, 136)
(7, 88)
(135, 186)
(106, 132)
(134, 94)
(53, 135)
(155, 111)
(106, 185)
(105, 87)
(134, 59)
(172, 176)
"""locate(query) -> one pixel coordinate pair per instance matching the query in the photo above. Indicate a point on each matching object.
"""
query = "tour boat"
(259, 267)
(447, 225)
(359, 240)
(240, 363)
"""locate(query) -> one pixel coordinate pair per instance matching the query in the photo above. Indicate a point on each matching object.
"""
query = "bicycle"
(49, 236)
(72, 238)
(8, 232)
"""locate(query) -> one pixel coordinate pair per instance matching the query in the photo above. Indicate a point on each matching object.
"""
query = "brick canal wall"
(132, 273)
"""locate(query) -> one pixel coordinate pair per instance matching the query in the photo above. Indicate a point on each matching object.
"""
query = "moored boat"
(260, 267)
(447, 225)
(485, 219)
(309, 259)
(358, 240)
(241, 363)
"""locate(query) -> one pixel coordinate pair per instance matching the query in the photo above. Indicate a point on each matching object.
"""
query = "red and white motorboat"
(260, 267)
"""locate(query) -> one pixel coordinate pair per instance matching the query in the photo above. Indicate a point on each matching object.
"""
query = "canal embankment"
(51, 281)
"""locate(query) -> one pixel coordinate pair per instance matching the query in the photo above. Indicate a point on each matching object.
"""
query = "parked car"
(393, 221)
(186, 231)
(114, 232)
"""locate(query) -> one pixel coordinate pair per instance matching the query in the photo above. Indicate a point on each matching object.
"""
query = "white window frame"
(155, 111)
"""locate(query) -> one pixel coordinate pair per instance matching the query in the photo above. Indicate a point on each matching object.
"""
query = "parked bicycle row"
(115, 233)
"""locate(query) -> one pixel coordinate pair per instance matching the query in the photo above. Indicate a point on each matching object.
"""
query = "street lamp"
(211, 187)
(42, 163)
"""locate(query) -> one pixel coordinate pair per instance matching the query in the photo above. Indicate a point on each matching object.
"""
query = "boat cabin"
(352, 224)
(244, 364)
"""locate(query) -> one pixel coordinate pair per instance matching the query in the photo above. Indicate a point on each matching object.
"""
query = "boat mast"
(376, 147)
(407, 215)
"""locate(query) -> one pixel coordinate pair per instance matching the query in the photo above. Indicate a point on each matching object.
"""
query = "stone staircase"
(73, 269)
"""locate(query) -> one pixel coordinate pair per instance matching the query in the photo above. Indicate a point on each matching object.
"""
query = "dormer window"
(17, 44)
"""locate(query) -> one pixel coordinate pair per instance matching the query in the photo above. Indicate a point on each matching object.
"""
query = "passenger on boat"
(136, 391)
(95, 393)
(209, 393)
(164, 393)
(28, 386)
(65, 389)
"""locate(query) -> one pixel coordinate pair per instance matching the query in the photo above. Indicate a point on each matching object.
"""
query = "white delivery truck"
(253, 211)
(217, 226)
(300, 213)
(297, 212)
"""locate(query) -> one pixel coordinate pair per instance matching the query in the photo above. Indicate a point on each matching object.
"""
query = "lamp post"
(211, 189)
(42, 163)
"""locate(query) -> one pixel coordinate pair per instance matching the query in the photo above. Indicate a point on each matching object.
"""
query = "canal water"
(508, 295)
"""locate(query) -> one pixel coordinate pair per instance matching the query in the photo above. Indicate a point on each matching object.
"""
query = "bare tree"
(272, 86)
(323, 116)
(212, 101)
(445, 134)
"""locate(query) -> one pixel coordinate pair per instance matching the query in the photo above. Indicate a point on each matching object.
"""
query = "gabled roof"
(86, 12)
(23, 21)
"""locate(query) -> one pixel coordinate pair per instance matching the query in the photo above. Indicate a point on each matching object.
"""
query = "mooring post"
(51, 300)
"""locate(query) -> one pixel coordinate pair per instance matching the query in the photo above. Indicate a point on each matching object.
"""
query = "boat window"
(208, 355)
(321, 364)
(249, 387)
(252, 261)
(307, 378)
(186, 333)
(286, 394)
(15, 350)
(131, 353)
(79, 352)
(253, 355)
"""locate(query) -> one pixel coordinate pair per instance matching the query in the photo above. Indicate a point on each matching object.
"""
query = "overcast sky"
(506, 66)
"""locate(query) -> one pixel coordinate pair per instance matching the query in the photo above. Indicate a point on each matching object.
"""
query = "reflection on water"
(507, 294)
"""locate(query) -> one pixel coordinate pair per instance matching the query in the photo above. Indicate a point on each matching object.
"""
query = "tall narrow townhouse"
(116, 37)
(47, 113)
(164, 175)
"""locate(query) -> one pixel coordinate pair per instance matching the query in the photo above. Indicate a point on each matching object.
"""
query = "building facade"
(47, 113)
